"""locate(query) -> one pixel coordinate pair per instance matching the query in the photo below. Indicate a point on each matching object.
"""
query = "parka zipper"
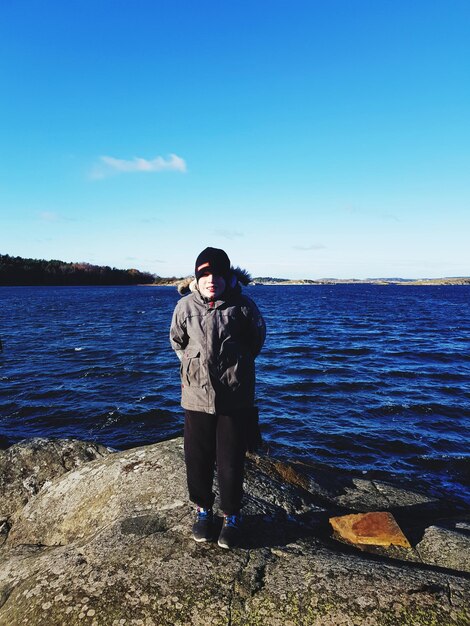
(209, 386)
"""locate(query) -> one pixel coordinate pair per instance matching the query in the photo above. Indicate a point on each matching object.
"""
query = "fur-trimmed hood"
(239, 277)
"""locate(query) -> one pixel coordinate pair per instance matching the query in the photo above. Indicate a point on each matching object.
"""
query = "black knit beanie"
(213, 260)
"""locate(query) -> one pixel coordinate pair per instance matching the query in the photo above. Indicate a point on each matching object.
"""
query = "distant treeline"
(19, 271)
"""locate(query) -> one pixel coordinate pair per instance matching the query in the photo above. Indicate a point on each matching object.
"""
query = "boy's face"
(211, 285)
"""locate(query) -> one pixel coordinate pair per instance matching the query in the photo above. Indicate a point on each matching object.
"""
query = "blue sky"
(307, 138)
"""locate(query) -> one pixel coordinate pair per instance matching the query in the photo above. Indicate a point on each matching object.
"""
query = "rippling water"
(361, 377)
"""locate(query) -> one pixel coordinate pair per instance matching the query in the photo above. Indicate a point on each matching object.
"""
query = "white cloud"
(108, 166)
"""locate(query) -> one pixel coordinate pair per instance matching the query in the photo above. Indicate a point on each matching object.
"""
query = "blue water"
(365, 378)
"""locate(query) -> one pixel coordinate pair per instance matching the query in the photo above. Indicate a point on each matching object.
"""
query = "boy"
(217, 333)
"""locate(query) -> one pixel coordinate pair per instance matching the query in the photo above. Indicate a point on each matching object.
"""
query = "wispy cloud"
(108, 166)
(389, 217)
(313, 246)
(150, 220)
(52, 216)
(49, 216)
(350, 209)
(228, 234)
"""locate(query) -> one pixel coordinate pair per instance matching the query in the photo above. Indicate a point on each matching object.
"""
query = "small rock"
(445, 548)
(376, 528)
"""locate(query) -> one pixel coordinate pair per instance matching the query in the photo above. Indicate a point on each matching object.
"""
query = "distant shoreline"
(276, 283)
(25, 272)
(334, 281)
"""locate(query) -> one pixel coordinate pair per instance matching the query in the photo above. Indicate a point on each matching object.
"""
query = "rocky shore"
(94, 537)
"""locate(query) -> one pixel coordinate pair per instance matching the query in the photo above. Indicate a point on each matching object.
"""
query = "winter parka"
(217, 343)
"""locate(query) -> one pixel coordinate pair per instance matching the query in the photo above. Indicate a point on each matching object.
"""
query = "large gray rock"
(110, 543)
(26, 466)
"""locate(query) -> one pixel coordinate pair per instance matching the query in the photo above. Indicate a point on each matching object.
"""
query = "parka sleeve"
(257, 328)
(178, 334)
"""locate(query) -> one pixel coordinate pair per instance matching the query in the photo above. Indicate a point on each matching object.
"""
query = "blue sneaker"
(230, 534)
(202, 528)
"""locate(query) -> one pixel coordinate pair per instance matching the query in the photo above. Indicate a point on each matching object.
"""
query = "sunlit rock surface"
(376, 528)
(110, 542)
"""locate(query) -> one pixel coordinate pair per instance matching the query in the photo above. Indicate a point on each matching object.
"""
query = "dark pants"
(209, 439)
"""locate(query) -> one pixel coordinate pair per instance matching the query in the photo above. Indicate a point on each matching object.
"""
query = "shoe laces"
(231, 520)
(203, 513)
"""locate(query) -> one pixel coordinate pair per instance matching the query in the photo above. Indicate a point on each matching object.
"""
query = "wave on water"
(364, 378)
